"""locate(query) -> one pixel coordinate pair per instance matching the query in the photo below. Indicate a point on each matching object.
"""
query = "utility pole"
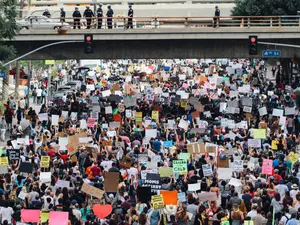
(28, 82)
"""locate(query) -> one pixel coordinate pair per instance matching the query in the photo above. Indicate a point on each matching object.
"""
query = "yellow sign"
(274, 144)
(157, 202)
(139, 118)
(49, 62)
(44, 216)
(45, 161)
(155, 116)
(259, 133)
(293, 157)
(4, 161)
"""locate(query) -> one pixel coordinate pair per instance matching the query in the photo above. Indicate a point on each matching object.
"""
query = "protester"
(157, 142)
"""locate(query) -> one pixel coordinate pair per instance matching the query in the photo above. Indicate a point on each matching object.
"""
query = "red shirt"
(95, 171)
(63, 157)
(51, 153)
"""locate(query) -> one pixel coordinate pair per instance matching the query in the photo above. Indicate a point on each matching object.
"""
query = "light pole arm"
(35, 50)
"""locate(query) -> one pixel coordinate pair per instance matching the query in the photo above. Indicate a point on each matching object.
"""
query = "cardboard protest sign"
(74, 141)
(211, 149)
(225, 173)
(126, 162)
(165, 171)
(267, 167)
(157, 202)
(55, 120)
(90, 190)
(170, 197)
(223, 163)
(179, 166)
(143, 194)
(3, 169)
(207, 170)
(45, 161)
(196, 148)
(111, 181)
(26, 167)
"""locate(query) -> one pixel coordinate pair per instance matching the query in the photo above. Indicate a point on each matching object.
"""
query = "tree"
(265, 7)
(8, 29)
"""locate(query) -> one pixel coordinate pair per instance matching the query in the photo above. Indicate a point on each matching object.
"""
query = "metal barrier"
(181, 22)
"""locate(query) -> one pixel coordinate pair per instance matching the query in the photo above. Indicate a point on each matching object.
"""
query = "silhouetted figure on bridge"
(62, 15)
(46, 13)
(216, 17)
(109, 14)
(99, 15)
(130, 17)
(88, 14)
(76, 16)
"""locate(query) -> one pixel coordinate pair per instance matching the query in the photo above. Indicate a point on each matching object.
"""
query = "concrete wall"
(139, 49)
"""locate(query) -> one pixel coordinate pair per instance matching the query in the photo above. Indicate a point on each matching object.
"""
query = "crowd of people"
(159, 142)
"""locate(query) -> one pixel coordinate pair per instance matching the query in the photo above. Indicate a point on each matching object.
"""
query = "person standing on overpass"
(62, 15)
(109, 14)
(88, 14)
(130, 16)
(76, 16)
(46, 13)
(99, 16)
(216, 17)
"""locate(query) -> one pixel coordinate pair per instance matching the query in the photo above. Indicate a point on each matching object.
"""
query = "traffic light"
(253, 45)
(88, 43)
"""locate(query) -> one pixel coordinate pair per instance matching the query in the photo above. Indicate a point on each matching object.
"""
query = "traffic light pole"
(278, 44)
(40, 48)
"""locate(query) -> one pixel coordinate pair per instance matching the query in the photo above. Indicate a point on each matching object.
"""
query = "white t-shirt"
(6, 214)
(39, 92)
(106, 165)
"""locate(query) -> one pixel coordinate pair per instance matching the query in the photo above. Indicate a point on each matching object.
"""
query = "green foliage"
(265, 7)
(8, 28)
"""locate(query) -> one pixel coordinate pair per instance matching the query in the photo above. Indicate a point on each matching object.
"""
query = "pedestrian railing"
(183, 22)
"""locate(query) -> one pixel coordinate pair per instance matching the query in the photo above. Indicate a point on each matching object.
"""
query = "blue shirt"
(293, 222)
(156, 145)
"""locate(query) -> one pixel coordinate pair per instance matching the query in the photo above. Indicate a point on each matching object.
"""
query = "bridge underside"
(152, 49)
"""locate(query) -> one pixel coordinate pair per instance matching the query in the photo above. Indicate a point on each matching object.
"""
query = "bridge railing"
(173, 22)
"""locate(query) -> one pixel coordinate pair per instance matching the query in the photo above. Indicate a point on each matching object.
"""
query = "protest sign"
(194, 187)
(225, 173)
(183, 124)
(207, 170)
(179, 166)
(184, 156)
(43, 116)
(45, 177)
(289, 111)
(259, 133)
(196, 148)
(263, 111)
(181, 197)
(238, 166)
(58, 218)
(165, 171)
(55, 119)
(254, 143)
(155, 116)
(45, 161)
(14, 154)
(168, 144)
(26, 167)
(3, 169)
(157, 202)
(152, 180)
(111, 181)
(90, 190)
(207, 196)
(277, 112)
(267, 167)
(30, 215)
(63, 183)
(170, 197)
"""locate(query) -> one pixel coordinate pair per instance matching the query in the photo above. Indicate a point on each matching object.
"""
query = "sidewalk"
(24, 123)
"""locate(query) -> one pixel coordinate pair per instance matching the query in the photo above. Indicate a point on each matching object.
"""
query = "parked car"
(41, 22)
(74, 84)
(64, 88)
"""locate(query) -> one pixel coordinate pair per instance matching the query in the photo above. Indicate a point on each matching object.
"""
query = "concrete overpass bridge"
(179, 37)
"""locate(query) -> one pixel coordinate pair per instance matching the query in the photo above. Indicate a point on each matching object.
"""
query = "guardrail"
(169, 22)
(38, 3)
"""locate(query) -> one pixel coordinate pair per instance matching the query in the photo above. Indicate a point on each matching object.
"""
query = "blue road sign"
(271, 53)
